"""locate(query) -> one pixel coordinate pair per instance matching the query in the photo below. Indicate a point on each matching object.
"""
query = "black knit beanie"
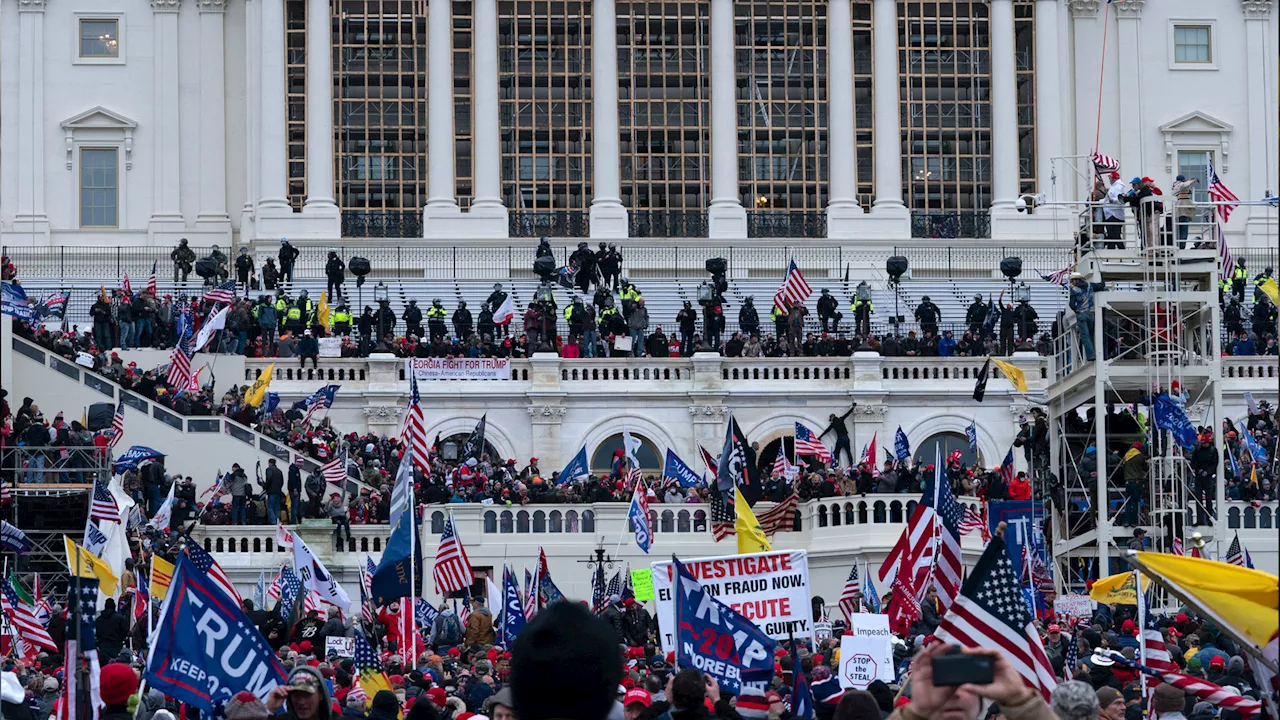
(565, 665)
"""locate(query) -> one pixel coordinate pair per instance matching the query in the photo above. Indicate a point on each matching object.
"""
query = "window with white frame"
(99, 187)
(1194, 165)
(1193, 44)
(99, 38)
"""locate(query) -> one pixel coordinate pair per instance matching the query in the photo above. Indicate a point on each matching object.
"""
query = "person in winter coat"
(688, 320)
(288, 256)
(111, 629)
(384, 320)
(612, 614)
(412, 317)
(827, 314)
(265, 311)
(270, 275)
(462, 321)
(928, 315)
(305, 697)
(637, 326)
(335, 271)
(657, 344)
(244, 267)
(748, 317)
(273, 488)
(308, 348)
(636, 622)
(479, 625)
(585, 262)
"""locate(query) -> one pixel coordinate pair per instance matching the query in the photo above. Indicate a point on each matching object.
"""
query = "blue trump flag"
(1172, 416)
(715, 639)
(1024, 521)
(869, 594)
(638, 514)
(205, 650)
(1256, 450)
(133, 457)
(677, 470)
(577, 467)
(971, 434)
(901, 448)
(391, 580)
(272, 402)
(512, 608)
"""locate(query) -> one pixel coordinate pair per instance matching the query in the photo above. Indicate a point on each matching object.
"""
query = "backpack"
(448, 630)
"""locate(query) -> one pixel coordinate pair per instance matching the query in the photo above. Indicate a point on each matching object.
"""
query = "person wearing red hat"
(636, 701)
(117, 682)
(1055, 646)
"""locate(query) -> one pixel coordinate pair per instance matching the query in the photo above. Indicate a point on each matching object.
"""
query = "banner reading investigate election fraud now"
(770, 589)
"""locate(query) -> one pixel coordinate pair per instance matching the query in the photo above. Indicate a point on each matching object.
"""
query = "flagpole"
(1142, 624)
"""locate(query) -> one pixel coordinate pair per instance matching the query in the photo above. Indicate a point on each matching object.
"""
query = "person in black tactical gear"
(484, 323)
(748, 317)
(435, 320)
(335, 270)
(1233, 318)
(270, 275)
(602, 299)
(976, 315)
(688, 319)
(585, 262)
(928, 315)
(494, 301)
(184, 259)
(1025, 316)
(412, 317)
(244, 267)
(220, 262)
(365, 325)
(827, 312)
(288, 256)
(384, 320)
(575, 316)
(609, 262)
(462, 322)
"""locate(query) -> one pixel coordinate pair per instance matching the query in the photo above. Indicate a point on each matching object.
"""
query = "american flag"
(117, 425)
(530, 596)
(1103, 163)
(1058, 277)
(808, 444)
(415, 422)
(452, 571)
(794, 291)
(599, 596)
(179, 369)
(103, 506)
(275, 588)
(290, 586)
(1202, 689)
(990, 612)
(1177, 546)
(1235, 555)
(1006, 467)
(43, 611)
(722, 516)
(1224, 252)
(780, 517)
(849, 603)
(1036, 575)
(335, 471)
(976, 520)
(28, 631)
(615, 584)
(224, 293)
(366, 590)
(5, 495)
(1153, 651)
(317, 401)
(126, 286)
(1219, 193)
(780, 464)
(930, 544)
(205, 562)
(151, 281)
(466, 606)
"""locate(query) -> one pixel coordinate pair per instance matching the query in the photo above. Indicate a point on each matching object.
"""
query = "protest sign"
(717, 640)
(330, 347)
(642, 584)
(343, 647)
(770, 589)
(821, 630)
(1073, 605)
(865, 659)
(869, 625)
(459, 368)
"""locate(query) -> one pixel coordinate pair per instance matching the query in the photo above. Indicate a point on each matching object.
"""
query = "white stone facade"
(194, 104)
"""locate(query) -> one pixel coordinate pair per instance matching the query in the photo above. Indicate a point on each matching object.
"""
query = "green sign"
(642, 584)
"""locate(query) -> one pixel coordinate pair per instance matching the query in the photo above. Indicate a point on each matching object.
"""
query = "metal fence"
(551, 223)
(950, 224)
(382, 224)
(786, 224)
(72, 464)
(97, 262)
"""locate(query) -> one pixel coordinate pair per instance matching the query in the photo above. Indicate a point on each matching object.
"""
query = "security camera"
(1020, 205)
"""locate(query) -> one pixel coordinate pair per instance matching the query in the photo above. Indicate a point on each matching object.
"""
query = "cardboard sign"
(330, 347)
(869, 625)
(770, 589)
(642, 584)
(821, 630)
(865, 659)
(345, 647)
(1073, 605)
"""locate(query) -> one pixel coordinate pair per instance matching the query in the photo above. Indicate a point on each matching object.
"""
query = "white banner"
(770, 589)
(1079, 606)
(330, 347)
(459, 368)
(869, 625)
(343, 647)
(865, 659)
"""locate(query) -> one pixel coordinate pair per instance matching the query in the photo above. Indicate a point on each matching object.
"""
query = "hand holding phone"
(955, 668)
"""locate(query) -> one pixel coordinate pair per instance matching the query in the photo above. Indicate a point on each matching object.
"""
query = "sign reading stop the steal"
(863, 660)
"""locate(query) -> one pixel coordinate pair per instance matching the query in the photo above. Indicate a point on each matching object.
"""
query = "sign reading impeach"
(459, 368)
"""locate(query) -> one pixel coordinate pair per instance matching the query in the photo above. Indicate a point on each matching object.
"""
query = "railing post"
(455, 261)
(118, 262)
(62, 261)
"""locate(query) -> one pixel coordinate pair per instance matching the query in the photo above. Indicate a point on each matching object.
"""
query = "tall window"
(463, 94)
(1025, 49)
(1192, 44)
(99, 38)
(1194, 164)
(99, 187)
(296, 97)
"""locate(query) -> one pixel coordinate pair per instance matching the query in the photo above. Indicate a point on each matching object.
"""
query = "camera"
(956, 668)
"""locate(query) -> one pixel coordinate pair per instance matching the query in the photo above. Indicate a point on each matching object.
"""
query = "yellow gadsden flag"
(1013, 372)
(1242, 600)
(1269, 288)
(161, 577)
(258, 392)
(751, 537)
(322, 311)
(1120, 588)
(85, 564)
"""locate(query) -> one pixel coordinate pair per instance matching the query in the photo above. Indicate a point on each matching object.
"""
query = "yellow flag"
(258, 392)
(85, 564)
(322, 310)
(1013, 372)
(1269, 288)
(751, 537)
(161, 577)
(1242, 600)
(1119, 588)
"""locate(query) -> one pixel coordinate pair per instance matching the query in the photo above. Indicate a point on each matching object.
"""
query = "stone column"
(1004, 109)
(212, 215)
(272, 165)
(441, 199)
(1128, 16)
(608, 216)
(30, 217)
(320, 111)
(1257, 14)
(885, 102)
(252, 99)
(726, 217)
(1048, 103)
(487, 145)
(166, 211)
(842, 204)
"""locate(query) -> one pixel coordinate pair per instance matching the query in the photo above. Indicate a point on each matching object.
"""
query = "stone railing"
(1251, 367)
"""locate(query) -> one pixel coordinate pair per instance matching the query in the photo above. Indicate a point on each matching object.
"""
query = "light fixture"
(380, 292)
(1021, 293)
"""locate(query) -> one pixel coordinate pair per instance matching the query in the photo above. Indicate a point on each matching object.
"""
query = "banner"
(770, 589)
(717, 639)
(459, 368)
(865, 659)
(205, 650)
(1073, 605)
(343, 647)
(676, 469)
(1024, 520)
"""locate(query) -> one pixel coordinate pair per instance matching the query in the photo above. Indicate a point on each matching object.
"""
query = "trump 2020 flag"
(1172, 416)
(133, 457)
(901, 447)
(512, 608)
(638, 514)
(715, 639)
(205, 650)
(678, 470)
(577, 467)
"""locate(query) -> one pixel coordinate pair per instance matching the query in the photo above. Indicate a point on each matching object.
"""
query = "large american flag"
(224, 293)
(976, 520)
(990, 612)
(415, 429)
(151, 281)
(117, 424)
(930, 544)
(849, 595)
(29, 632)
(205, 562)
(1202, 689)
(1103, 163)
(795, 289)
(335, 471)
(103, 505)
(317, 401)
(452, 571)
(780, 517)
(808, 443)
(179, 375)
(366, 590)
(1235, 554)
(1219, 193)
(722, 516)
(1153, 651)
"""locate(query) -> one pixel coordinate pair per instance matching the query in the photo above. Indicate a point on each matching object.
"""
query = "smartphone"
(955, 668)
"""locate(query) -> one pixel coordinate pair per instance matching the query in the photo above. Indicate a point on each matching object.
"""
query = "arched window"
(926, 451)
(668, 522)
(822, 516)
(490, 522)
(588, 521)
(699, 520)
(437, 523)
(555, 522)
(571, 521)
(505, 524)
(451, 447)
(848, 514)
(539, 521)
(683, 523)
(522, 521)
(1233, 517)
(895, 512)
(602, 457)
(1250, 518)
(836, 517)
(879, 512)
(1264, 518)
(862, 513)
(768, 455)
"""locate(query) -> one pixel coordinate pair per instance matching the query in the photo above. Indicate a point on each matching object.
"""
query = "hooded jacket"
(326, 703)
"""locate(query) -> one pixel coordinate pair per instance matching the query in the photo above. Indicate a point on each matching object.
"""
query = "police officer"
(335, 270)
(412, 317)
(308, 309)
(827, 312)
(288, 256)
(585, 262)
(183, 258)
(282, 309)
(220, 261)
(244, 267)
(862, 310)
(462, 321)
(342, 320)
(976, 315)
(927, 314)
(484, 323)
(295, 318)
(574, 315)
(630, 296)
(610, 265)
(1239, 277)
(384, 319)
(688, 320)
(779, 318)
(435, 319)
(748, 317)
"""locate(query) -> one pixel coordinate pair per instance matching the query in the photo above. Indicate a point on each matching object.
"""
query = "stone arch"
(636, 424)
(782, 425)
(931, 425)
(493, 434)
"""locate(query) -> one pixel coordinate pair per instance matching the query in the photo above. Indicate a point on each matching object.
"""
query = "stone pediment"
(100, 119)
(1197, 129)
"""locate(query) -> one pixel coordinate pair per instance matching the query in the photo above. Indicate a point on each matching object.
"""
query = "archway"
(451, 445)
(648, 454)
(926, 452)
